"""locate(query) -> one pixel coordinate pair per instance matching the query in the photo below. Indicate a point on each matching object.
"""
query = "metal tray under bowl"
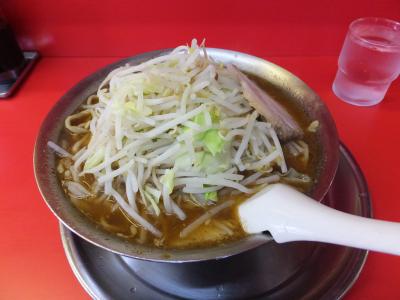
(301, 270)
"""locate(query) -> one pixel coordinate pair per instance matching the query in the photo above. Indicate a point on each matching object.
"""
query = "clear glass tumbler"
(369, 61)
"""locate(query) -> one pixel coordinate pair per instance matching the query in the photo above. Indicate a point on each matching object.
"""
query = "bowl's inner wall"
(44, 159)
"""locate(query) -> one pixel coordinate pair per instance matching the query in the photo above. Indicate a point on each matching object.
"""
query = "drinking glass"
(369, 61)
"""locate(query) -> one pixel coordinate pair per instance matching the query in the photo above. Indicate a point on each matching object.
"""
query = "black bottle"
(11, 57)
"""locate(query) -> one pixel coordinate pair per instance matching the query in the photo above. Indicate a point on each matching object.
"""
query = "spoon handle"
(292, 216)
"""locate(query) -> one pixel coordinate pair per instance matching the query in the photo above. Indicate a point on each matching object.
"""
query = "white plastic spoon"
(292, 216)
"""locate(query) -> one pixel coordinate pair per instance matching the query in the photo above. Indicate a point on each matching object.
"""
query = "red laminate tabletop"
(32, 261)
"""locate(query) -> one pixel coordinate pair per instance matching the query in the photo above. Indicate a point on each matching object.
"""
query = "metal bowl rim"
(112, 243)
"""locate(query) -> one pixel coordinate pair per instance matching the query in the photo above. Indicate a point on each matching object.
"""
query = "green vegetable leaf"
(183, 162)
(215, 114)
(153, 196)
(213, 141)
(94, 160)
(149, 87)
(168, 180)
(212, 196)
(209, 164)
(130, 106)
(200, 119)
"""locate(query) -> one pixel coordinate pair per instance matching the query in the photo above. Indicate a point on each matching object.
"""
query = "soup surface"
(181, 187)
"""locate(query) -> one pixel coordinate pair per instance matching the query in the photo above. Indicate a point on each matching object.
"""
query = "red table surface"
(76, 37)
(32, 261)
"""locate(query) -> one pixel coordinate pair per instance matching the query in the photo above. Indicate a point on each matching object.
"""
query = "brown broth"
(311, 168)
(116, 221)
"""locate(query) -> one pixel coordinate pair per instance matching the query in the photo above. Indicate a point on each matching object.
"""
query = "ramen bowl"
(284, 84)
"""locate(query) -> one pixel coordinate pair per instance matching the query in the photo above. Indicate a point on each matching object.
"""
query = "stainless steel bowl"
(291, 87)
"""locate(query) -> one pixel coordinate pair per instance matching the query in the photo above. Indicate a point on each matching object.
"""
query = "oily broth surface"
(312, 167)
(114, 220)
(111, 218)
